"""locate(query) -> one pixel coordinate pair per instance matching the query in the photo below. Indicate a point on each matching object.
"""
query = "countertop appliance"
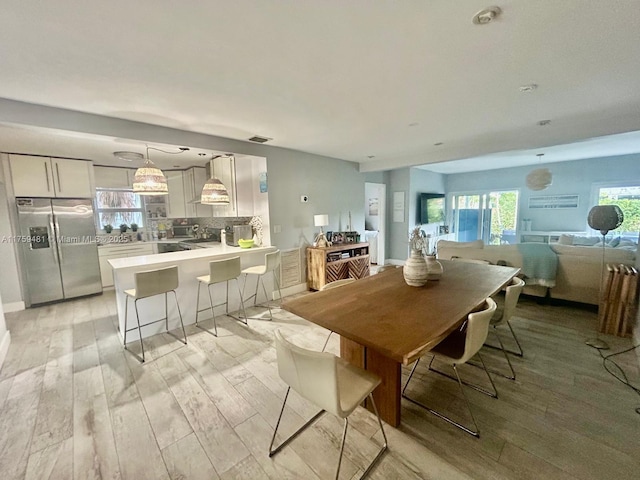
(59, 249)
(233, 233)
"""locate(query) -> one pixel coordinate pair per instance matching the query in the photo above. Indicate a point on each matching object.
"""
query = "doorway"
(491, 217)
(375, 202)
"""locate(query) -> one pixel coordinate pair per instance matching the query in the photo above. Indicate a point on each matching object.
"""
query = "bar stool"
(148, 284)
(220, 271)
(271, 263)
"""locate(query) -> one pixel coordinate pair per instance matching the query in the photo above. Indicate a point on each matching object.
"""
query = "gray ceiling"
(351, 80)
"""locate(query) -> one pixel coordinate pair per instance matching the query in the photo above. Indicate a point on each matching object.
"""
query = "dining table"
(384, 323)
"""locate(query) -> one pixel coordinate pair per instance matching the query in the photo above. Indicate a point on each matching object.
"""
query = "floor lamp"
(603, 218)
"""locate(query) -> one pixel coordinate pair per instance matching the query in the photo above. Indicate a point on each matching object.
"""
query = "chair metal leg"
(198, 302)
(277, 282)
(384, 435)
(344, 437)
(213, 313)
(493, 394)
(166, 312)
(266, 296)
(326, 342)
(135, 304)
(519, 353)
(259, 282)
(180, 315)
(126, 315)
(504, 352)
(475, 432)
(273, 451)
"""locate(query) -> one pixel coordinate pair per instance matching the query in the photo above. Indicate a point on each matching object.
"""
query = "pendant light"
(214, 192)
(149, 179)
(540, 178)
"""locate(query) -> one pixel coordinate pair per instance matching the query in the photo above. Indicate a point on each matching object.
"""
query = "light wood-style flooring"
(75, 405)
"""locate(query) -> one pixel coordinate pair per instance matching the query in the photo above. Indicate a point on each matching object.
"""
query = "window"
(490, 216)
(628, 199)
(115, 207)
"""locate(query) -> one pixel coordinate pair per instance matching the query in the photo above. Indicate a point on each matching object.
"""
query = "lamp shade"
(605, 218)
(214, 193)
(321, 220)
(539, 179)
(149, 180)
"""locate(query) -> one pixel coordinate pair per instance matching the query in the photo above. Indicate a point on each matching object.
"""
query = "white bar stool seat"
(271, 264)
(150, 283)
(220, 271)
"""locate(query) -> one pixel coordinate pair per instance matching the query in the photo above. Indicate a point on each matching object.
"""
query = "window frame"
(98, 211)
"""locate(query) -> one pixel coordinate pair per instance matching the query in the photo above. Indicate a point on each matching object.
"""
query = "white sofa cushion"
(451, 244)
(615, 255)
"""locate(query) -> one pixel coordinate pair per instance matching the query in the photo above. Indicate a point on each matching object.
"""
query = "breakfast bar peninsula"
(191, 264)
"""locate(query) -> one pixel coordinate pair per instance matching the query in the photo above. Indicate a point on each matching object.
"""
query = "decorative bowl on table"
(245, 243)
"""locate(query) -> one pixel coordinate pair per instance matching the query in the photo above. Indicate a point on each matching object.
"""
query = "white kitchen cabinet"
(50, 177)
(224, 170)
(194, 180)
(113, 177)
(109, 252)
(176, 206)
(246, 183)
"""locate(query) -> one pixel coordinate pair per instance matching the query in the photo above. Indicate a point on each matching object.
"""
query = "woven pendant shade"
(149, 180)
(605, 218)
(214, 192)
(539, 179)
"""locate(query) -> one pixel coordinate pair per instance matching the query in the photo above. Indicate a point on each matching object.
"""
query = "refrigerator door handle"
(46, 174)
(55, 228)
(58, 175)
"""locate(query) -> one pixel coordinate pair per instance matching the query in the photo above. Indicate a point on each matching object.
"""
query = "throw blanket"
(539, 264)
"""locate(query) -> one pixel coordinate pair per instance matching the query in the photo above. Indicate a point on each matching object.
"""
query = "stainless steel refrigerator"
(59, 249)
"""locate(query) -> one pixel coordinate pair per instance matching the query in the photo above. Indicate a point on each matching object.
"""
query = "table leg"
(387, 394)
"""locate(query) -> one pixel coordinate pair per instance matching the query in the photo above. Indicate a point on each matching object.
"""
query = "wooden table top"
(401, 322)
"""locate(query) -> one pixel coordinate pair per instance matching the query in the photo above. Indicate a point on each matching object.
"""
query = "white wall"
(575, 177)
(9, 283)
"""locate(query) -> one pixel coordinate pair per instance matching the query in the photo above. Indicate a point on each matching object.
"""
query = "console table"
(328, 264)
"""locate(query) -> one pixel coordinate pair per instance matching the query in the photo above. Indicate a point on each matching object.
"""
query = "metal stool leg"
(135, 304)
(180, 315)
(198, 303)
(213, 313)
(126, 314)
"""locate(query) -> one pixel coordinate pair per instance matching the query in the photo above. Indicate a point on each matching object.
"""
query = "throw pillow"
(614, 243)
(565, 239)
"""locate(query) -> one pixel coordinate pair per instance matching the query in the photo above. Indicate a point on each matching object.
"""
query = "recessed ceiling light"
(542, 123)
(259, 139)
(202, 154)
(438, 144)
(414, 124)
(486, 15)
(528, 88)
(371, 156)
(128, 156)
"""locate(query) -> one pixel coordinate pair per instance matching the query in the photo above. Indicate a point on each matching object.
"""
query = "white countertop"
(210, 250)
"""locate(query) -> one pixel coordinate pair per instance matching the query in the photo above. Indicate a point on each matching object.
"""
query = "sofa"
(578, 273)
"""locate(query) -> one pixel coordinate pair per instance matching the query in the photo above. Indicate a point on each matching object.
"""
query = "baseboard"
(393, 261)
(4, 346)
(301, 287)
(13, 307)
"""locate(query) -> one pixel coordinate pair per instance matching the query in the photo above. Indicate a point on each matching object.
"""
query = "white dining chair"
(457, 348)
(220, 271)
(502, 316)
(330, 383)
(150, 283)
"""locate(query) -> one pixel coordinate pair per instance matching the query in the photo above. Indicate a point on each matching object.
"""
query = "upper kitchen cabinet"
(194, 179)
(50, 177)
(113, 177)
(224, 169)
(176, 205)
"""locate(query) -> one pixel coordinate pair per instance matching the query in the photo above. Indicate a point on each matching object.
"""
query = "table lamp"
(321, 221)
(603, 218)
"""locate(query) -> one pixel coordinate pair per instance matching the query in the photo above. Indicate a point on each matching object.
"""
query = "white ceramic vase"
(415, 269)
(434, 267)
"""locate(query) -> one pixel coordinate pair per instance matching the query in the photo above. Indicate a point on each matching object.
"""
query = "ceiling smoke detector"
(259, 139)
(486, 16)
(128, 156)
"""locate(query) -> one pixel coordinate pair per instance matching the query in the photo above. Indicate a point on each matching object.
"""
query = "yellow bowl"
(245, 243)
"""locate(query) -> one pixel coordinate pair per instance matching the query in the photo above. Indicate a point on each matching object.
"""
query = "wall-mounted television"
(432, 208)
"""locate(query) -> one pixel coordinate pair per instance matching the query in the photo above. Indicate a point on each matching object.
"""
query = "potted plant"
(108, 228)
(134, 227)
(123, 227)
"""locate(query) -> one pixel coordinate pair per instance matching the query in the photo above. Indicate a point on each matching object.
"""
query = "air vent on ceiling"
(259, 139)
